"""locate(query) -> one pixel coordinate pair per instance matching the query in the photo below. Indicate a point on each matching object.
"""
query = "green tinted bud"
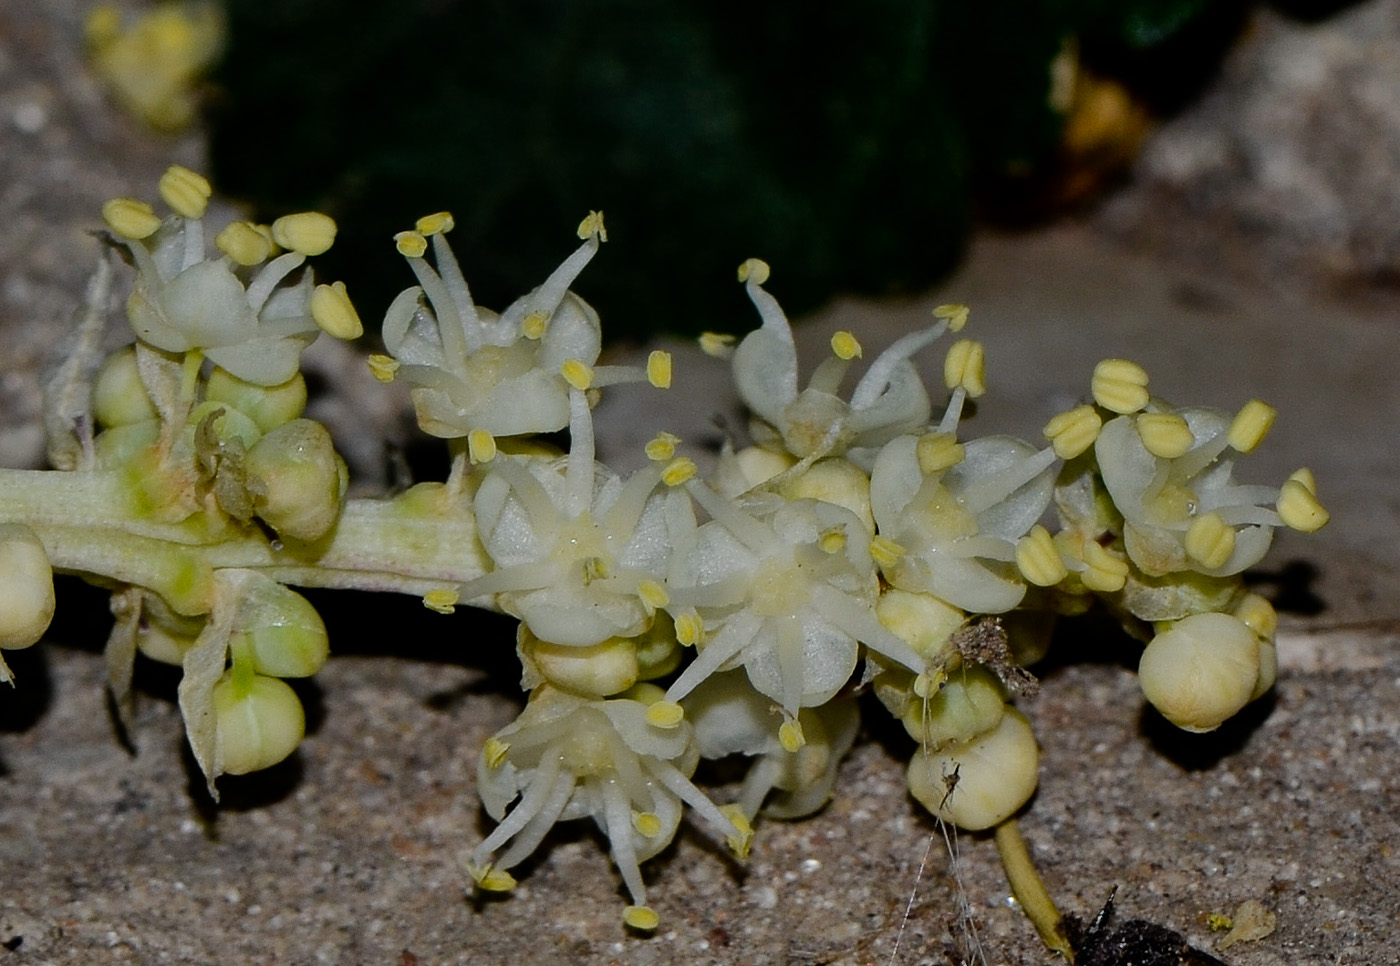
(969, 704)
(119, 397)
(267, 406)
(658, 652)
(257, 725)
(164, 635)
(26, 587)
(596, 671)
(231, 424)
(280, 632)
(116, 446)
(996, 774)
(303, 479)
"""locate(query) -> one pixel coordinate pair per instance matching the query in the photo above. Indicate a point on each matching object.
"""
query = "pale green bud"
(596, 671)
(280, 631)
(982, 782)
(257, 725)
(26, 587)
(1201, 670)
(119, 397)
(164, 635)
(267, 406)
(302, 477)
(229, 424)
(117, 446)
(970, 703)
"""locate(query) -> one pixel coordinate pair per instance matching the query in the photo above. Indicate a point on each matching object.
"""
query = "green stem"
(1029, 888)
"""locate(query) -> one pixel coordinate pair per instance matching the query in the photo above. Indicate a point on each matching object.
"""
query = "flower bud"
(982, 782)
(119, 397)
(302, 477)
(26, 587)
(1201, 671)
(280, 631)
(597, 671)
(969, 704)
(257, 725)
(267, 406)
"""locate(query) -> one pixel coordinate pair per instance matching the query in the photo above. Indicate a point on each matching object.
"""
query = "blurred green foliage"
(843, 143)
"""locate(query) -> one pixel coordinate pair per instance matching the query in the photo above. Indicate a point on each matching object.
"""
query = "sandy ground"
(350, 852)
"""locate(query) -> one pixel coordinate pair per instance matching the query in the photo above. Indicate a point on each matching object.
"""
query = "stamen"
(1104, 572)
(845, 345)
(411, 244)
(965, 367)
(662, 448)
(495, 752)
(790, 736)
(1073, 431)
(481, 446)
(954, 314)
(1252, 423)
(1298, 505)
(716, 344)
(938, 451)
(1038, 559)
(186, 192)
(1209, 540)
(665, 714)
(659, 369)
(243, 243)
(442, 601)
(1165, 435)
(577, 373)
(382, 367)
(130, 218)
(307, 232)
(435, 224)
(1120, 386)
(334, 313)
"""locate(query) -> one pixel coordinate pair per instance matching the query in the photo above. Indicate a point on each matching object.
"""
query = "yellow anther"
(659, 369)
(411, 244)
(1252, 423)
(490, 879)
(833, 540)
(533, 326)
(662, 447)
(965, 367)
(665, 714)
(334, 313)
(1120, 386)
(1305, 477)
(926, 685)
(594, 568)
(647, 824)
(754, 270)
(129, 218)
(1104, 572)
(1210, 540)
(741, 843)
(653, 595)
(1298, 505)
(577, 373)
(1258, 614)
(1165, 435)
(1038, 558)
(186, 192)
(690, 628)
(1073, 431)
(717, 344)
(885, 552)
(442, 601)
(495, 752)
(938, 452)
(592, 225)
(481, 446)
(954, 314)
(790, 735)
(243, 243)
(845, 345)
(641, 918)
(306, 232)
(679, 471)
(382, 367)
(436, 223)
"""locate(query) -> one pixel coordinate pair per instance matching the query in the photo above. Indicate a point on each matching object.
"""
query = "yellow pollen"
(495, 752)
(885, 552)
(641, 918)
(437, 223)
(1105, 572)
(481, 446)
(659, 369)
(489, 879)
(410, 244)
(243, 243)
(306, 233)
(845, 346)
(577, 373)
(965, 367)
(335, 313)
(653, 595)
(1120, 386)
(954, 314)
(754, 270)
(1298, 506)
(382, 367)
(186, 192)
(1038, 558)
(663, 447)
(741, 843)
(1210, 540)
(1305, 477)
(648, 824)
(833, 540)
(1073, 431)
(938, 451)
(1259, 615)
(1165, 435)
(689, 628)
(131, 219)
(533, 326)
(719, 345)
(1252, 423)
(678, 471)
(790, 736)
(591, 225)
(665, 714)
(442, 601)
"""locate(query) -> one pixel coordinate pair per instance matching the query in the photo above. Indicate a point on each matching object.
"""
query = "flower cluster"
(857, 539)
